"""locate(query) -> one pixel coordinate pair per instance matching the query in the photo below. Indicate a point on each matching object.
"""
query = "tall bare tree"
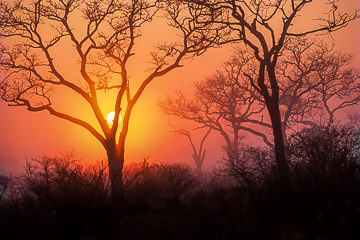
(265, 26)
(308, 70)
(100, 35)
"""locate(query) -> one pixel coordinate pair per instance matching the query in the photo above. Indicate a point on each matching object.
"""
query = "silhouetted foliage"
(253, 168)
(325, 185)
(323, 158)
(4, 183)
(161, 185)
(326, 179)
(58, 193)
(58, 198)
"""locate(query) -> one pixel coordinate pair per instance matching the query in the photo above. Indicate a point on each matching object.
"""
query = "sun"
(110, 117)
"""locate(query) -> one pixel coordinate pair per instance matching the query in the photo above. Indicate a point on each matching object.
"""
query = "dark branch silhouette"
(219, 103)
(102, 44)
(265, 27)
(307, 71)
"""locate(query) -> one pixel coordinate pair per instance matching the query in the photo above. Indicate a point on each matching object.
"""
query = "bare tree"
(305, 68)
(316, 82)
(219, 103)
(102, 42)
(265, 26)
(198, 153)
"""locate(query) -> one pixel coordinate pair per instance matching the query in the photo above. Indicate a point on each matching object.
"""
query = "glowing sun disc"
(110, 117)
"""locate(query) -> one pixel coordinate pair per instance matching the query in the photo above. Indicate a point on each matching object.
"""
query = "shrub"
(252, 169)
(56, 198)
(158, 186)
(4, 183)
(323, 158)
(326, 180)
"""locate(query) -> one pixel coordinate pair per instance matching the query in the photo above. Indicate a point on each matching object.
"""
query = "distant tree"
(315, 82)
(100, 35)
(198, 153)
(265, 26)
(219, 103)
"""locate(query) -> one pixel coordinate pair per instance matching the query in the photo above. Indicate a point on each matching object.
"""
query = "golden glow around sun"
(110, 117)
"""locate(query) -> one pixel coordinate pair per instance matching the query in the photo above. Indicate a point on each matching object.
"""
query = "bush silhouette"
(58, 195)
(322, 158)
(59, 198)
(159, 186)
(325, 195)
(326, 179)
(4, 183)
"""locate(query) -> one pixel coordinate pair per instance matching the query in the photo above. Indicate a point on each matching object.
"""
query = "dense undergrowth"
(59, 198)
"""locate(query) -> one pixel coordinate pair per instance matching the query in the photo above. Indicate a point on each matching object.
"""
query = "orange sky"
(25, 134)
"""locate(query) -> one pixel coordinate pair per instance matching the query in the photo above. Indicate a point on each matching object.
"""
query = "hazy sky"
(26, 134)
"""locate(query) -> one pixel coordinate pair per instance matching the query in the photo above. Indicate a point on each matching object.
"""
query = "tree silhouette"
(220, 103)
(315, 82)
(198, 153)
(100, 35)
(265, 26)
(325, 155)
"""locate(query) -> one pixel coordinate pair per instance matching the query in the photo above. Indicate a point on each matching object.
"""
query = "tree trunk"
(284, 135)
(198, 164)
(280, 156)
(116, 162)
(273, 107)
